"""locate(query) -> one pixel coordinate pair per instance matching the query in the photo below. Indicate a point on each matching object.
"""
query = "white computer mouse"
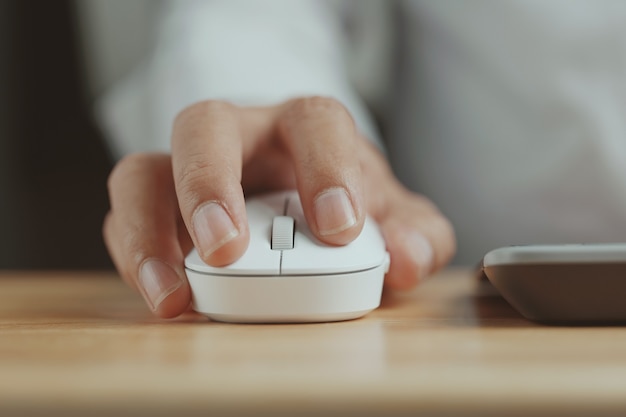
(287, 275)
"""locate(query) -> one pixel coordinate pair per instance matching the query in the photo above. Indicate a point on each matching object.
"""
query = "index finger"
(206, 161)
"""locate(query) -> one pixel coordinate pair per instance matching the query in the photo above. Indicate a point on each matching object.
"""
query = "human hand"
(162, 205)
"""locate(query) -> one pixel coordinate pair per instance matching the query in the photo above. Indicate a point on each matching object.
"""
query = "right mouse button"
(310, 256)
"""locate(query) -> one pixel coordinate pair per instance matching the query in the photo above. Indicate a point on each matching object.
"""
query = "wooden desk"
(75, 343)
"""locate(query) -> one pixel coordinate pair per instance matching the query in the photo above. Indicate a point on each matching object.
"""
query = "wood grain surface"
(84, 344)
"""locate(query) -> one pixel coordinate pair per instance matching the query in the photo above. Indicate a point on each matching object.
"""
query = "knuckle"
(203, 108)
(195, 172)
(315, 105)
(309, 117)
(199, 175)
(134, 245)
(125, 168)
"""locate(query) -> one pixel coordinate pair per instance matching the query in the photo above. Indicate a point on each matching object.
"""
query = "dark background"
(53, 160)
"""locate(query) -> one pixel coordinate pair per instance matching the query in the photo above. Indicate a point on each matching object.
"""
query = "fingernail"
(333, 211)
(421, 252)
(158, 280)
(213, 228)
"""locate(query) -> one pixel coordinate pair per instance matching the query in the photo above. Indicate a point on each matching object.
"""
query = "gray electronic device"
(570, 284)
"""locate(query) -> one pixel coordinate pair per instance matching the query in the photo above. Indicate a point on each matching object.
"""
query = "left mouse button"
(258, 260)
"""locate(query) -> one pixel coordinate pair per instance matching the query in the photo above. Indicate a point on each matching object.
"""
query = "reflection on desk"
(82, 343)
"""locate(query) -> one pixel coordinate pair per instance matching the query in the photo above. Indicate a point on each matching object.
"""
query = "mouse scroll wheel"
(283, 229)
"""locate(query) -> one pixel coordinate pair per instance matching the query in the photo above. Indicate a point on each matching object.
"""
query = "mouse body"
(287, 275)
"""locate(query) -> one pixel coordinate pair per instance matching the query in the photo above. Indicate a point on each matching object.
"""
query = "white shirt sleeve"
(246, 52)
